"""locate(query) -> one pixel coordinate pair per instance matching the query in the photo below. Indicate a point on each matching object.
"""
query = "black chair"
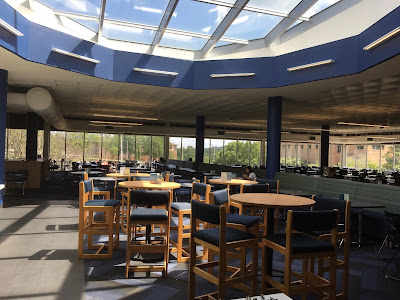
(273, 185)
(392, 230)
(296, 243)
(220, 239)
(343, 234)
(17, 177)
(158, 218)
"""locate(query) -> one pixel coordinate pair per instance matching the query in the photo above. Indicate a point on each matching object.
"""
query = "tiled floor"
(38, 260)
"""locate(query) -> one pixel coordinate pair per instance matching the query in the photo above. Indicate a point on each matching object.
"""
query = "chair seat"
(232, 235)
(111, 202)
(181, 206)
(273, 191)
(149, 214)
(301, 243)
(242, 219)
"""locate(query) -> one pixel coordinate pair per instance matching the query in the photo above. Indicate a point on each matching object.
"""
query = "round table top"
(164, 185)
(271, 200)
(232, 181)
(119, 175)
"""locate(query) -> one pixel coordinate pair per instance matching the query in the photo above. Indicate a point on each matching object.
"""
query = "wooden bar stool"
(109, 224)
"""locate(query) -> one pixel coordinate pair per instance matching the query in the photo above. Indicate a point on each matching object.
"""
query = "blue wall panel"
(271, 72)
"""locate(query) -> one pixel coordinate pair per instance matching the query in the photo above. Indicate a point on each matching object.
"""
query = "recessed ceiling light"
(362, 124)
(232, 75)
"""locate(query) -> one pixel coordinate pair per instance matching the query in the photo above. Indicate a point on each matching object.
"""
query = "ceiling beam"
(101, 19)
(283, 25)
(222, 28)
(163, 25)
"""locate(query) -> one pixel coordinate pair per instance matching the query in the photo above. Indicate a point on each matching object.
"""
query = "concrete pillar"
(166, 147)
(31, 136)
(200, 131)
(324, 161)
(273, 136)
(3, 117)
(46, 140)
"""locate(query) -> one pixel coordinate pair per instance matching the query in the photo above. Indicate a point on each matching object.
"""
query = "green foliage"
(16, 143)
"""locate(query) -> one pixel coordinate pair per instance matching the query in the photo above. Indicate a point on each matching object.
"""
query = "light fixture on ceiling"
(232, 75)
(92, 60)
(115, 123)
(115, 126)
(383, 137)
(259, 131)
(314, 64)
(125, 117)
(382, 39)
(361, 124)
(158, 72)
(285, 132)
(241, 132)
(9, 28)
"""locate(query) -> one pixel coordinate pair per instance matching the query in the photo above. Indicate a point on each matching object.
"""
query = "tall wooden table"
(271, 201)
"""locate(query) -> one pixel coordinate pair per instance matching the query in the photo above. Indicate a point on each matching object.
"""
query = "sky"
(193, 16)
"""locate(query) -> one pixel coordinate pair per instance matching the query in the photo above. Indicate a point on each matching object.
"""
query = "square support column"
(3, 117)
(200, 131)
(324, 147)
(273, 136)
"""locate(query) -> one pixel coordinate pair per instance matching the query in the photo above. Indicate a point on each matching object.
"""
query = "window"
(361, 157)
(216, 151)
(74, 147)
(92, 146)
(16, 141)
(316, 147)
(110, 148)
(255, 153)
(157, 147)
(301, 147)
(230, 152)
(360, 147)
(335, 155)
(243, 152)
(339, 148)
(302, 155)
(128, 147)
(57, 145)
(291, 154)
(314, 156)
(175, 150)
(387, 158)
(188, 148)
(373, 157)
(207, 151)
(40, 141)
(143, 148)
(350, 156)
(376, 147)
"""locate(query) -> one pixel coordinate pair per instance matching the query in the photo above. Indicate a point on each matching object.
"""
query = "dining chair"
(220, 239)
(90, 226)
(343, 234)
(296, 243)
(200, 192)
(273, 185)
(157, 226)
(101, 191)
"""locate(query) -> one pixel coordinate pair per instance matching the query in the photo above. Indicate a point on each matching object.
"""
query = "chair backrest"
(219, 197)
(308, 221)
(85, 191)
(150, 198)
(273, 184)
(200, 190)
(85, 176)
(206, 212)
(328, 203)
(141, 178)
(254, 188)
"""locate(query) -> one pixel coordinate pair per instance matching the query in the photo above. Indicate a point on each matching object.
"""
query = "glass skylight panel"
(251, 25)
(149, 12)
(173, 40)
(92, 25)
(318, 7)
(284, 6)
(198, 17)
(84, 7)
(128, 34)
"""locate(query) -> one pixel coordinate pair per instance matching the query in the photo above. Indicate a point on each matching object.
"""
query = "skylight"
(196, 26)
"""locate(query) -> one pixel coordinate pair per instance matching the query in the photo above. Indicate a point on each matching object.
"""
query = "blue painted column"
(200, 131)
(273, 136)
(3, 117)
(324, 147)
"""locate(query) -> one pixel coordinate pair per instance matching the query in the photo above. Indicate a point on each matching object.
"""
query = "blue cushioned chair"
(170, 177)
(295, 244)
(107, 225)
(220, 239)
(157, 222)
(200, 192)
(98, 190)
(273, 185)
